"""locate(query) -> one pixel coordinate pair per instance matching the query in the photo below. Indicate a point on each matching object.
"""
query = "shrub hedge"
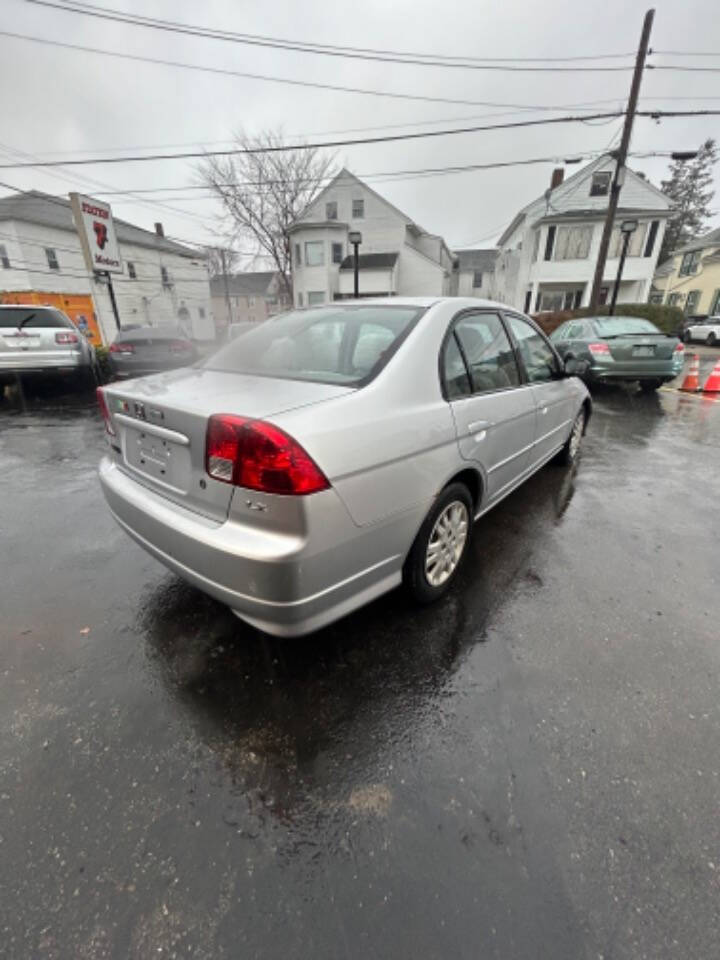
(668, 319)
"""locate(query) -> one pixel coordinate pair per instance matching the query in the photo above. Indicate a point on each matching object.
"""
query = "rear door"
(554, 402)
(494, 411)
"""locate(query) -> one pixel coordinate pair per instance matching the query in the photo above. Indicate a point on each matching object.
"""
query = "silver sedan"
(332, 453)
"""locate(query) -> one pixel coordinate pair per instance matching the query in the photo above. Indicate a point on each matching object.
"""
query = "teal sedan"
(618, 349)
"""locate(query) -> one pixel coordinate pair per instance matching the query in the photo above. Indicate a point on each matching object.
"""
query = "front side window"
(52, 258)
(537, 355)
(487, 351)
(600, 184)
(331, 210)
(314, 253)
(358, 209)
(331, 344)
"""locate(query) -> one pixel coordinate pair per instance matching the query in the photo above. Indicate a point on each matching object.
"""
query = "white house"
(476, 273)
(396, 255)
(247, 297)
(41, 261)
(547, 255)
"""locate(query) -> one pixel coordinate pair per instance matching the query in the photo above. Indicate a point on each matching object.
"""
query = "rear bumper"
(125, 369)
(286, 585)
(659, 370)
(57, 361)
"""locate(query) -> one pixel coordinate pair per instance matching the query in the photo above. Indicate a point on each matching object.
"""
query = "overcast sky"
(64, 103)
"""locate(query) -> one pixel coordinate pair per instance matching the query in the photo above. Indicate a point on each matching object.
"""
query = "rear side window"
(538, 357)
(487, 352)
(33, 317)
(455, 375)
(333, 344)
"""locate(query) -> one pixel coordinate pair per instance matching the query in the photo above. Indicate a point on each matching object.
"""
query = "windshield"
(32, 317)
(619, 326)
(335, 344)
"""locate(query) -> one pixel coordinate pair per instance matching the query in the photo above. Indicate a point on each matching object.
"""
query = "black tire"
(711, 340)
(570, 452)
(649, 386)
(414, 573)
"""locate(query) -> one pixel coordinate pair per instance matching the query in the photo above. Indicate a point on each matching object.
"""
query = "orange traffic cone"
(712, 384)
(691, 383)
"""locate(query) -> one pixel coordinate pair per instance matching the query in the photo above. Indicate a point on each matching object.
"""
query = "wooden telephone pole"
(621, 158)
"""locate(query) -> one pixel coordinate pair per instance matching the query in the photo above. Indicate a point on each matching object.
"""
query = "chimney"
(161, 233)
(558, 175)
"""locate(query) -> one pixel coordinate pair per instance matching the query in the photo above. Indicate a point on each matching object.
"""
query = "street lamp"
(627, 228)
(355, 238)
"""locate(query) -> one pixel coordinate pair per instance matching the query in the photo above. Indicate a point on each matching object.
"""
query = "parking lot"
(528, 769)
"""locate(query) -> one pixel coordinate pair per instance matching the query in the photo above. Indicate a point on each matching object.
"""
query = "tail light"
(599, 350)
(121, 348)
(180, 346)
(259, 456)
(680, 348)
(65, 336)
(105, 411)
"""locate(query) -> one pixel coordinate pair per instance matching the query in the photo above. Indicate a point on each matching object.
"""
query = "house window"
(715, 304)
(358, 209)
(674, 299)
(131, 270)
(52, 258)
(298, 255)
(528, 301)
(600, 184)
(164, 276)
(651, 237)
(635, 246)
(4, 259)
(314, 253)
(477, 279)
(549, 242)
(602, 299)
(315, 297)
(251, 301)
(689, 263)
(201, 312)
(331, 210)
(337, 253)
(693, 298)
(300, 299)
(573, 243)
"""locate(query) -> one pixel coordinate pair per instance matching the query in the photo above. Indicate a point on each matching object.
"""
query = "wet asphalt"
(528, 769)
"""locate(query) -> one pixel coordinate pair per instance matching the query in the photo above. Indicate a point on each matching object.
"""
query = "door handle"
(477, 425)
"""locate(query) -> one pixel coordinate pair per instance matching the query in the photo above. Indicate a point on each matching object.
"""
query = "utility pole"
(113, 301)
(225, 283)
(621, 158)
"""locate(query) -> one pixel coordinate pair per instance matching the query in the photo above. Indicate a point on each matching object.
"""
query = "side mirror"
(575, 368)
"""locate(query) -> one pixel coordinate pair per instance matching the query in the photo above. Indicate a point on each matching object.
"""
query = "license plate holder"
(22, 343)
(643, 351)
(159, 459)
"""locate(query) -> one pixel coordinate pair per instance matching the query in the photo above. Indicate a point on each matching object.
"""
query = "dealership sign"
(94, 223)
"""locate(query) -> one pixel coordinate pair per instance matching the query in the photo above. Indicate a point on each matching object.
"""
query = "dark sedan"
(138, 351)
(621, 349)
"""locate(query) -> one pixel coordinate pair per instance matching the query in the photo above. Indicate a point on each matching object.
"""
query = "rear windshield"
(32, 317)
(334, 344)
(617, 326)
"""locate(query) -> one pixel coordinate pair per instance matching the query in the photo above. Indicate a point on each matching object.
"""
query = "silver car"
(332, 453)
(38, 340)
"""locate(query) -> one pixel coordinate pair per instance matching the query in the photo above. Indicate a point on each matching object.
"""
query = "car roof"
(29, 306)
(461, 302)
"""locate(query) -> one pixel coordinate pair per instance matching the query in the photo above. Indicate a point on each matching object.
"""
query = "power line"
(187, 155)
(683, 69)
(413, 59)
(257, 76)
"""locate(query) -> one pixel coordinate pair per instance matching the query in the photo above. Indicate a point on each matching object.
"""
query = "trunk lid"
(32, 339)
(641, 346)
(161, 421)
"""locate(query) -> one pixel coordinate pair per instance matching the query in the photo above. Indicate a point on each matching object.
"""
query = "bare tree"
(265, 190)
(221, 259)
